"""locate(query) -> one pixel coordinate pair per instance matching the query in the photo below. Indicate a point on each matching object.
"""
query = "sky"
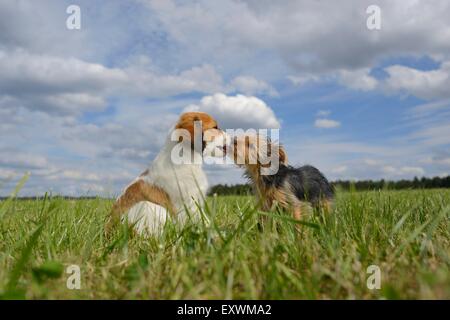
(84, 111)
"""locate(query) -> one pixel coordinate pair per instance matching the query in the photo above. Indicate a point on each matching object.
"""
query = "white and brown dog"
(175, 185)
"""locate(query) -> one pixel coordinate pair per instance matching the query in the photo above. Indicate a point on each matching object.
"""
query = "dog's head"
(256, 151)
(201, 131)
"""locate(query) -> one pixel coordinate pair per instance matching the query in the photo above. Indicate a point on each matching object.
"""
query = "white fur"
(186, 185)
(147, 218)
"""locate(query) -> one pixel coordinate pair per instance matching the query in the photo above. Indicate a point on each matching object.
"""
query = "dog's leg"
(297, 216)
(297, 213)
(326, 205)
(137, 192)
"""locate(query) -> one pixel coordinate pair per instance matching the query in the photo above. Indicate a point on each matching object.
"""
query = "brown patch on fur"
(269, 197)
(273, 197)
(187, 122)
(248, 151)
(298, 213)
(136, 192)
(282, 155)
(283, 198)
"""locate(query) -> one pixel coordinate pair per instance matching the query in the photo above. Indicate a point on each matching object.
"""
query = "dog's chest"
(186, 185)
(190, 183)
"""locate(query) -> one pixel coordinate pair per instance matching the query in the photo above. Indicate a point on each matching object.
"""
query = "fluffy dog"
(174, 186)
(288, 187)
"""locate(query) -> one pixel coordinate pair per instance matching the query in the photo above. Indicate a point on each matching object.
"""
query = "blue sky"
(84, 111)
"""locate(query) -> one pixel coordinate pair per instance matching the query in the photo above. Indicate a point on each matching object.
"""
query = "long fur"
(168, 191)
(290, 188)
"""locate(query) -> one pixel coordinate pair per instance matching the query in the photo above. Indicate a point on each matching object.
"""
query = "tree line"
(362, 185)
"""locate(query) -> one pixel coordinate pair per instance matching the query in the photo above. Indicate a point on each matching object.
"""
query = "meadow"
(405, 233)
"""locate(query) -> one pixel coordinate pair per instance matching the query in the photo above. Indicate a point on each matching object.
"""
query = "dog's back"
(309, 184)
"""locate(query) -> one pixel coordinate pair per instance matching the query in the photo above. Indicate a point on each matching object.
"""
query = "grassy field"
(405, 233)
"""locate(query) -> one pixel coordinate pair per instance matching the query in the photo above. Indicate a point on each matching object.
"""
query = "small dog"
(288, 187)
(171, 187)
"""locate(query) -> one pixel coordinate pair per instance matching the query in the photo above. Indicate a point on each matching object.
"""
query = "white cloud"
(20, 159)
(311, 40)
(250, 86)
(359, 79)
(389, 170)
(340, 157)
(108, 153)
(442, 160)
(340, 169)
(429, 108)
(403, 171)
(88, 110)
(309, 37)
(7, 174)
(53, 84)
(412, 171)
(326, 123)
(75, 175)
(323, 113)
(238, 111)
(371, 162)
(436, 135)
(202, 79)
(52, 74)
(69, 86)
(430, 84)
(303, 79)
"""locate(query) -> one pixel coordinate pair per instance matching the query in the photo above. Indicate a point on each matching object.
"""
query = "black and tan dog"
(293, 189)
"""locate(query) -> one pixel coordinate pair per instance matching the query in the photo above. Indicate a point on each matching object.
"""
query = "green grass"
(405, 233)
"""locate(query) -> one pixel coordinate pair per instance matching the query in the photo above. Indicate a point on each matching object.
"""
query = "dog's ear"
(186, 122)
(282, 155)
